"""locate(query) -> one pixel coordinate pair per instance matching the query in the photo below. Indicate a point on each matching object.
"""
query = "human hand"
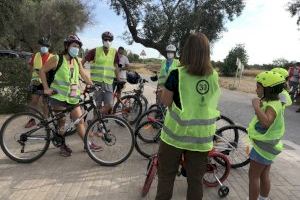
(256, 103)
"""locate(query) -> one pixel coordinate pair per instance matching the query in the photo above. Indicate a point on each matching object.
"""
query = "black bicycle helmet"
(44, 42)
(133, 77)
(107, 35)
(154, 78)
(72, 38)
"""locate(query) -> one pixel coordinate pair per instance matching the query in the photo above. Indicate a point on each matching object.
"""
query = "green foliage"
(31, 20)
(156, 24)
(133, 58)
(294, 9)
(229, 66)
(280, 62)
(14, 83)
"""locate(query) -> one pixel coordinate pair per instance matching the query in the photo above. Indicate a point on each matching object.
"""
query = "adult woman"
(65, 83)
(191, 92)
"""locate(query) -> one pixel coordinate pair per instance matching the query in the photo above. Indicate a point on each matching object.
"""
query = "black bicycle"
(26, 145)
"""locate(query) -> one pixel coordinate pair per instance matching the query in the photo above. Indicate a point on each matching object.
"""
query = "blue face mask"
(73, 52)
(44, 50)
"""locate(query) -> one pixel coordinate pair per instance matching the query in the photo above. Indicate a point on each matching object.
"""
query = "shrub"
(14, 82)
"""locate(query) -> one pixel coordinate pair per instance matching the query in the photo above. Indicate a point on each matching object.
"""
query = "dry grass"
(146, 69)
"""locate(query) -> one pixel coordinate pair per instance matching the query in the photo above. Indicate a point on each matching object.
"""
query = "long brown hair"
(195, 56)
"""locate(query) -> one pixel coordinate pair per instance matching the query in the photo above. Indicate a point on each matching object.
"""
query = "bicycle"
(129, 106)
(219, 172)
(231, 140)
(107, 131)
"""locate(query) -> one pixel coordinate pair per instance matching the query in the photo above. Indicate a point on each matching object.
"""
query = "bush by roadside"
(14, 83)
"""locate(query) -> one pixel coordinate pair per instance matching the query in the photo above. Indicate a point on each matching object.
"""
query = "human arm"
(51, 64)
(267, 117)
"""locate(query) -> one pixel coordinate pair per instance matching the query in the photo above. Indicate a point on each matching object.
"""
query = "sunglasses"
(107, 40)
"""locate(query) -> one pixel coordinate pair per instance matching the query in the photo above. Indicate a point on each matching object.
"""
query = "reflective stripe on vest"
(187, 139)
(103, 69)
(191, 122)
(268, 146)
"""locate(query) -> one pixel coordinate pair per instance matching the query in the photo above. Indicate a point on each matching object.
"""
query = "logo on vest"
(202, 87)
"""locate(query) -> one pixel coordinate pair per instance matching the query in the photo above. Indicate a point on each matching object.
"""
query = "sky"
(265, 27)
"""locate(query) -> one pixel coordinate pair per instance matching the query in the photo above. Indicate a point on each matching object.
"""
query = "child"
(265, 132)
(284, 96)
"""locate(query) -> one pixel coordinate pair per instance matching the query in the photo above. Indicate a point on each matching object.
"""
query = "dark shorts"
(258, 158)
(56, 103)
(35, 88)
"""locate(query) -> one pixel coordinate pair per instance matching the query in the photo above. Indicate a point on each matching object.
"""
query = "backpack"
(51, 74)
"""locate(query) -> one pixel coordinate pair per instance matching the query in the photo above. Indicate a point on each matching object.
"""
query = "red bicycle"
(218, 168)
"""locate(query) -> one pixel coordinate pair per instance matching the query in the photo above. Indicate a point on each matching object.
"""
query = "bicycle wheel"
(31, 109)
(223, 121)
(147, 137)
(21, 144)
(114, 136)
(150, 115)
(151, 173)
(233, 141)
(215, 170)
(144, 102)
(129, 107)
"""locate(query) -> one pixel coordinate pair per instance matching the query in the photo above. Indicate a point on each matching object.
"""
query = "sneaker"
(65, 151)
(95, 148)
(30, 123)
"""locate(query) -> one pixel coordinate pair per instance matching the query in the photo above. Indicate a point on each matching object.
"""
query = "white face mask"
(170, 55)
(106, 44)
(44, 50)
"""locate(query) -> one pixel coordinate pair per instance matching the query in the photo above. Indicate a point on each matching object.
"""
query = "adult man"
(104, 68)
(294, 79)
(35, 64)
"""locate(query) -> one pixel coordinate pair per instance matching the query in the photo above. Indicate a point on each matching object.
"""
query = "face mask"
(106, 44)
(170, 55)
(73, 51)
(44, 50)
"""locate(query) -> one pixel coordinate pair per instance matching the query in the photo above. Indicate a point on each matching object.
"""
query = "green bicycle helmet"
(270, 79)
(281, 71)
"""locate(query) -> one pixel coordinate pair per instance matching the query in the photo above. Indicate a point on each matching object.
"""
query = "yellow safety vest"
(192, 127)
(37, 65)
(163, 74)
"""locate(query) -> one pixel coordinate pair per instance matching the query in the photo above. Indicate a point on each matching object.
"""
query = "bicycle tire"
(212, 168)
(8, 152)
(151, 114)
(151, 144)
(114, 122)
(126, 111)
(144, 102)
(31, 109)
(151, 173)
(231, 147)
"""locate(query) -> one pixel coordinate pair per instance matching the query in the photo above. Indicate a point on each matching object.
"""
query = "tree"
(294, 9)
(155, 24)
(33, 19)
(132, 57)
(280, 62)
(229, 67)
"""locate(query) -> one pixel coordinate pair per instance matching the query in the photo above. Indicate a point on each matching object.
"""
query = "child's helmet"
(270, 79)
(281, 71)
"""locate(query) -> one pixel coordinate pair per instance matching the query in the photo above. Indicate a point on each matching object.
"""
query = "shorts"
(56, 103)
(105, 96)
(35, 88)
(258, 158)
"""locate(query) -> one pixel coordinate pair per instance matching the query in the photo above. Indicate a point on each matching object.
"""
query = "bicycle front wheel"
(148, 138)
(233, 141)
(129, 107)
(24, 138)
(109, 141)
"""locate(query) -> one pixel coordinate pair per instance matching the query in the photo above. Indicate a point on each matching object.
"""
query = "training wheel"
(223, 191)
